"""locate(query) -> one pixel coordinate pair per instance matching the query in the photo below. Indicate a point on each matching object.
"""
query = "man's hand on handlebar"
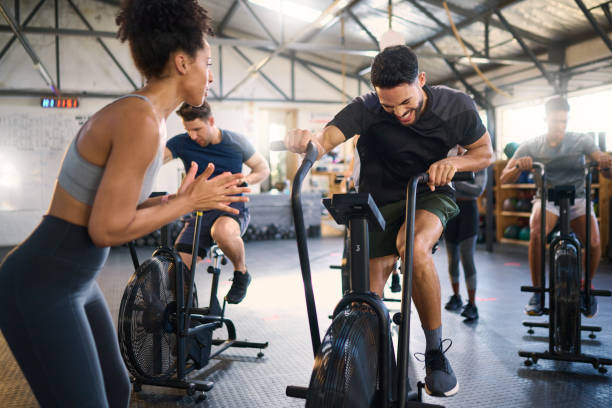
(440, 173)
(524, 163)
(297, 140)
(604, 161)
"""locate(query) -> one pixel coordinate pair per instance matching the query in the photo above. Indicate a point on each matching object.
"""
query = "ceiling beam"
(104, 47)
(528, 51)
(467, 13)
(110, 2)
(29, 50)
(337, 7)
(480, 100)
(264, 76)
(247, 6)
(67, 32)
(595, 24)
(363, 27)
(22, 27)
(226, 18)
(325, 80)
(441, 24)
(490, 8)
(486, 11)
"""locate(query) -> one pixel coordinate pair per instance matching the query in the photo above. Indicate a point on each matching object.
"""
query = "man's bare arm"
(479, 156)
(259, 169)
(167, 155)
(330, 137)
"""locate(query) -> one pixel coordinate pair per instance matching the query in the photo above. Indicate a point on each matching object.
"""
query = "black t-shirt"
(391, 153)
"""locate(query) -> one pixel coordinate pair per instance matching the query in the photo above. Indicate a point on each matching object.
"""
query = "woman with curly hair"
(52, 312)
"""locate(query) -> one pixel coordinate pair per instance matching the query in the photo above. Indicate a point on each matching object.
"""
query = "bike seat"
(342, 207)
(557, 193)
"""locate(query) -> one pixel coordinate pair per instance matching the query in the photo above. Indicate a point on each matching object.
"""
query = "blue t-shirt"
(228, 155)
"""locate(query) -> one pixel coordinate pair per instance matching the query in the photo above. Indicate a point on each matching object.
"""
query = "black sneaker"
(534, 307)
(440, 380)
(470, 312)
(454, 303)
(239, 287)
(395, 283)
(588, 308)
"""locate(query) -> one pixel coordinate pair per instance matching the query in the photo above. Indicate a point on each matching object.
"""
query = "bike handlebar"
(278, 146)
(300, 231)
(460, 176)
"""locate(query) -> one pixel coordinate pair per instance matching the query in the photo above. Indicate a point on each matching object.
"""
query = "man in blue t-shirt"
(559, 145)
(407, 128)
(205, 143)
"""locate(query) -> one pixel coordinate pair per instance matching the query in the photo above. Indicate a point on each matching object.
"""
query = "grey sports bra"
(81, 178)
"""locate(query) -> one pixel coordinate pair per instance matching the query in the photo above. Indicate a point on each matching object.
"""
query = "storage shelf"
(518, 185)
(516, 213)
(603, 187)
(513, 241)
(531, 185)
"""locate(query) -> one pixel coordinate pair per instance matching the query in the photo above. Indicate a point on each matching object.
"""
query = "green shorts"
(384, 243)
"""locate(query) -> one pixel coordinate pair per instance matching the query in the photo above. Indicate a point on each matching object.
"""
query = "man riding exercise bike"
(555, 143)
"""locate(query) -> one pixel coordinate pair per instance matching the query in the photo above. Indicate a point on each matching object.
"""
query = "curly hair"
(189, 113)
(394, 66)
(156, 28)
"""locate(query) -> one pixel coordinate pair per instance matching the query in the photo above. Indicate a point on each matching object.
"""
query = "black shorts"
(465, 225)
(184, 242)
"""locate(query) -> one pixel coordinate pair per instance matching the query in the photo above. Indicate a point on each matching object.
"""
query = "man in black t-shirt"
(406, 128)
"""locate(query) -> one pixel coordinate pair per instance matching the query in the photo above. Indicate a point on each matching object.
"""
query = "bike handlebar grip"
(278, 146)
(296, 392)
(311, 152)
(464, 176)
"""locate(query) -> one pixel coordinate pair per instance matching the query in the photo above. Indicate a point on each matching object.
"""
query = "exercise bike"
(345, 265)
(355, 365)
(163, 335)
(565, 273)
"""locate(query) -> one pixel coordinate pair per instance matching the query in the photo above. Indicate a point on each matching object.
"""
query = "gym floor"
(483, 355)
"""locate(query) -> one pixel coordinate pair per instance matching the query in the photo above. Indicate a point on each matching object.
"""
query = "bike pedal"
(600, 292)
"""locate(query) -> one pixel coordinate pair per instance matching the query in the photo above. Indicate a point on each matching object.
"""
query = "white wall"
(86, 67)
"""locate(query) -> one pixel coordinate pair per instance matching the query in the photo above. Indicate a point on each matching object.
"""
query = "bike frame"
(565, 237)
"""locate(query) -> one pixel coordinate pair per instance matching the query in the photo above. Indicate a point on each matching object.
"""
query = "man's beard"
(418, 112)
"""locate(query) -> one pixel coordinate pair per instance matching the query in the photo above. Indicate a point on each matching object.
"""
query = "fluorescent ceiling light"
(289, 8)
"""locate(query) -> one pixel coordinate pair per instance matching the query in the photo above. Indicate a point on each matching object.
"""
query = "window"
(590, 113)
(518, 123)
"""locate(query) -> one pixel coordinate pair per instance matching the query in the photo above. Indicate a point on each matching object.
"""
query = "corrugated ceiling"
(542, 25)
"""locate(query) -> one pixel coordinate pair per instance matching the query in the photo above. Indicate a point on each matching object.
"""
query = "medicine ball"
(524, 234)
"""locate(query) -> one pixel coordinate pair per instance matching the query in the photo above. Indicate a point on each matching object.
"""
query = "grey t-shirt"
(572, 145)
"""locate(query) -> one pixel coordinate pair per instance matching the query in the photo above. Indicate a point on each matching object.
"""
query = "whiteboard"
(32, 144)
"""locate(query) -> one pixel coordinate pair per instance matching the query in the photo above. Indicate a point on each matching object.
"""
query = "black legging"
(460, 236)
(56, 322)
(464, 251)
